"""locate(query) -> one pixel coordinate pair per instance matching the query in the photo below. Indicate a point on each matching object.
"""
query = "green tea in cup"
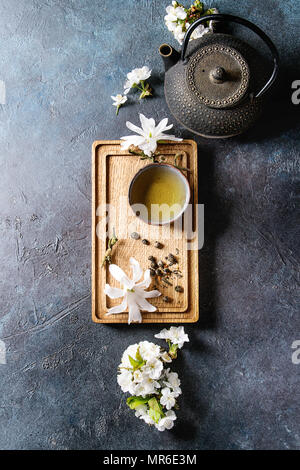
(159, 194)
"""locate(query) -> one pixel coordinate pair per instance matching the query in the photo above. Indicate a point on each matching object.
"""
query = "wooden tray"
(112, 171)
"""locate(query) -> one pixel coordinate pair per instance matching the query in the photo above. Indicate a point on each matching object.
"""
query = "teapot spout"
(169, 55)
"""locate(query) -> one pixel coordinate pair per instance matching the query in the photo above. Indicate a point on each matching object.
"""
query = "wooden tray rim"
(195, 305)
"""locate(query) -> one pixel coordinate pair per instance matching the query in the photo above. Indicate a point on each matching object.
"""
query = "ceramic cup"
(143, 214)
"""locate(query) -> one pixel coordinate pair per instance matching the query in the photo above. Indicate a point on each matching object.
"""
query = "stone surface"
(60, 61)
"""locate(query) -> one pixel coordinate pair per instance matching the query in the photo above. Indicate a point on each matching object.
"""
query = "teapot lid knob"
(218, 75)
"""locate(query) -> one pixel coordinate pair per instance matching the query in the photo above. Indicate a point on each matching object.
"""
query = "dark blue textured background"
(61, 60)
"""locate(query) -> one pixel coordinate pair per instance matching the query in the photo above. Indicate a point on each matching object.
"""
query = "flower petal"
(163, 334)
(167, 128)
(148, 125)
(144, 304)
(129, 140)
(119, 275)
(113, 292)
(147, 280)
(134, 128)
(162, 126)
(137, 271)
(134, 314)
(118, 308)
(151, 294)
(149, 147)
(169, 137)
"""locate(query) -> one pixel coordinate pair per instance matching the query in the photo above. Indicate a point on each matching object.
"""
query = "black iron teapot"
(215, 86)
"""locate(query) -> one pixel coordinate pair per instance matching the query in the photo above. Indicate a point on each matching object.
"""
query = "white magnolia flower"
(175, 334)
(133, 292)
(135, 77)
(125, 380)
(149, 350)
(154, 368)
(167, 422)
(168, 398)
(148, 135)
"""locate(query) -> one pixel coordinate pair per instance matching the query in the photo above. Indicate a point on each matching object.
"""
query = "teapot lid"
(218, 75)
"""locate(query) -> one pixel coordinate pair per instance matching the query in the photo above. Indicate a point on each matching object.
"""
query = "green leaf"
(155, 410)
(134, 402)
(135, 364)
(154, 415)
(138, 355)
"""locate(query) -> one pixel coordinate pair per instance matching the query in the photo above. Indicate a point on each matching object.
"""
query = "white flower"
(148, 135)
(147, 418)
(144, 414)
(147, 387)
(179, 33)
(149, 350)
(141, 411)
(173, 379)
(173, 21)
(154, 368)
(125, 380)
(171, 25)
(175, 13)
(173, 382)
(119, 100)
(199, 31)
(130, 351)
(135, 77)
(138, 376)
(168, 398)
(167, 422)
(133, 292)
(175, 334)
(165, 357)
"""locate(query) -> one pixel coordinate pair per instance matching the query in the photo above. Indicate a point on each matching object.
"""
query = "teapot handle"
(248, 24)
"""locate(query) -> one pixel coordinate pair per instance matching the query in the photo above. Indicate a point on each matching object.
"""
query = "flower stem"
(111, 242)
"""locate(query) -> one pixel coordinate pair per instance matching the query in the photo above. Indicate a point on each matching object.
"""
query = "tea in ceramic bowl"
(159, 194)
